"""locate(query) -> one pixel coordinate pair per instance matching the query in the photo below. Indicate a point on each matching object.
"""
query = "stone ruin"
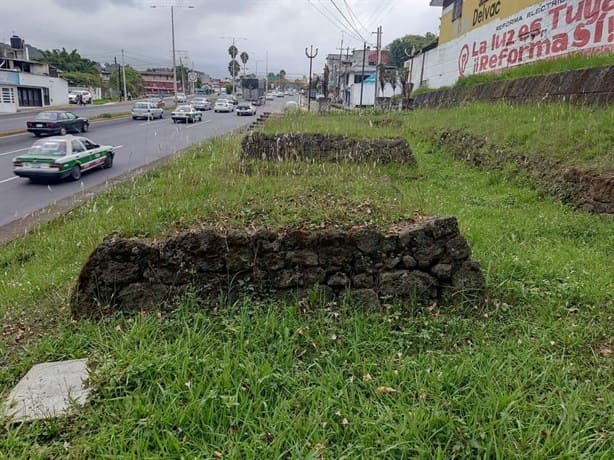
(324, 147)
(420, 262)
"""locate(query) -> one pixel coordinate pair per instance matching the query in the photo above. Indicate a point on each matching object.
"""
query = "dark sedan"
(57, 122)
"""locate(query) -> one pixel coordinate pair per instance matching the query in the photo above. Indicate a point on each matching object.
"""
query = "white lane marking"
(117, 147)
(151, 122)
(8, 180)
(197, 124)
(13, 151)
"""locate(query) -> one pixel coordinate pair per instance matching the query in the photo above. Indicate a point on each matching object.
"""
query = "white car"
(245, 108)
(86, 97)
(186, 113)
(181, 98)
(201, 103)
(222, 105)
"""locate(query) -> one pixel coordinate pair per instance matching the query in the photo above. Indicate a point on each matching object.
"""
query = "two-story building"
(27, 83)
(352, 77)
(479, 36)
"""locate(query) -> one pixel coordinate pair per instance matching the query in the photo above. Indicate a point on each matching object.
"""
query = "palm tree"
(282, 78)
(244, 58)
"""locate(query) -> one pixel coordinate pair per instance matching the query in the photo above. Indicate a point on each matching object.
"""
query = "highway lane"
(142, 142)
(11, 122)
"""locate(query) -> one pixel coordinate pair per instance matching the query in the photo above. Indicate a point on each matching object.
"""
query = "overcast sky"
(100, 29)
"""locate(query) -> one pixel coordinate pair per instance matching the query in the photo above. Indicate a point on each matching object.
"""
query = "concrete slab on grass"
(48, 390)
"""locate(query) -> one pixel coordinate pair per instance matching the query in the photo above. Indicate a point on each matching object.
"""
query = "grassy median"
(528, 374)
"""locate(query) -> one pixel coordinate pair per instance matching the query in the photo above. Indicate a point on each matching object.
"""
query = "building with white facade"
(352, 77)
(26, 83)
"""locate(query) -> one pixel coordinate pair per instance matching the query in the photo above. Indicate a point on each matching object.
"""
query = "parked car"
(222, 105)
(57, 122)
(245, 108)
(59, 157)
(146, 110)
(187, 114)
(201, 103)
(86, 97)
(180, 98)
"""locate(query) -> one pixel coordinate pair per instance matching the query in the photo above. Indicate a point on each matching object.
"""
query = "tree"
(282, 78)
(134, 81)
(82, 79)
(381, 75)
(234, 68)
(325, 78)
(69, 62)
(400, 47)
(406, 85)
(244, 58)
(391, 77)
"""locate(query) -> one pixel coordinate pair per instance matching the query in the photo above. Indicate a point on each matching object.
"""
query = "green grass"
(521, 376)
(543, 67)
(104, 100)
(568, 135)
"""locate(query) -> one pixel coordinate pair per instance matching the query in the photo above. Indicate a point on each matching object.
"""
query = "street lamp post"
(173, 42)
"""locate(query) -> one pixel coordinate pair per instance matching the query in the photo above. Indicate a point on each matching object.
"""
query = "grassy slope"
(523, 376)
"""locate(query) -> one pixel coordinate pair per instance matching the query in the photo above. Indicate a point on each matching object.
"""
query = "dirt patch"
(587, 190)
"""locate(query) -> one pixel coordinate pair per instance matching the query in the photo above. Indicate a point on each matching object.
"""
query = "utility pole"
(310, 56)
(173, 43)
(119, 79)
(379, 61)
(362, 73)
(266, 80)
(340, 66)
(181, 69)
(124, 76)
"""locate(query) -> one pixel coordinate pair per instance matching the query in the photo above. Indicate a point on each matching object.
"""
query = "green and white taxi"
(60, 157)
(186, 113)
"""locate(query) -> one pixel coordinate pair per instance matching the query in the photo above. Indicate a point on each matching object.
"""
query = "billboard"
(548, 29)
(542, 30)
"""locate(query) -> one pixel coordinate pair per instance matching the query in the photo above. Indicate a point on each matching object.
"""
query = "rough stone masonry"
(325, 147)
(417, 261)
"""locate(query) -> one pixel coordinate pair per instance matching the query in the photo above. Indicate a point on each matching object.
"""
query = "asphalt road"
(139, 143)
(17, 121)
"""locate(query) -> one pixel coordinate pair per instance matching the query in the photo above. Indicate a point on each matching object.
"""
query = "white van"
(146, 110)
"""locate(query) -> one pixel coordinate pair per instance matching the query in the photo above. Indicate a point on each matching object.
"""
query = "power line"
(347, 20)
(356, 19)
(331, 17)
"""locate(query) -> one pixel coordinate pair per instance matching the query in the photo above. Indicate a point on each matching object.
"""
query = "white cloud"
(100, 29)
